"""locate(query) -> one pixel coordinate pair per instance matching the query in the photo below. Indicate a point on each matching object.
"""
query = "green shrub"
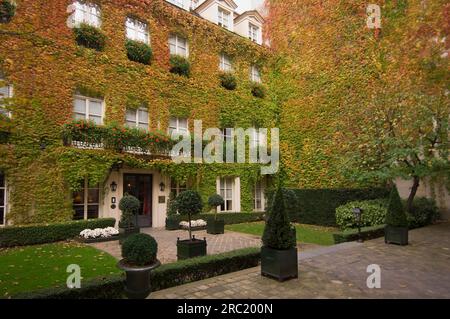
(396, 215)
(229, 218)
(258, 90)
(139, 51)
(172, 206)
(318, 206)
(215, 200)
(47, 233)
(367, 233)
(373, 213)
(424, 212)
(279, 233)
(140, 250)
(166, 276)
(129, 205)
(7, 11)
(180, 65)
(228, 80)
(90, 37)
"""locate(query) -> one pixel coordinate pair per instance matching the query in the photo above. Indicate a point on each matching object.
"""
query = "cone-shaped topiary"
(279, 233)
(129, 205)
(140, 250)
(396, 215)
(189, 203)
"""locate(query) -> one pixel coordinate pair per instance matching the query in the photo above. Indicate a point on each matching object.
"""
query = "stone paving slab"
(419, 270)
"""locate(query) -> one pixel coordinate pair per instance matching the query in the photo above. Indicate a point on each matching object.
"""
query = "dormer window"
(86, 12)
(178, 45)
(224, 18)
(253, 32)
(137, 30)
(255, 75)
(225, 63)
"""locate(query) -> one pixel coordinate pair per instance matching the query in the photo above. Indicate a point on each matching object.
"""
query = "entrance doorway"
(140, 186)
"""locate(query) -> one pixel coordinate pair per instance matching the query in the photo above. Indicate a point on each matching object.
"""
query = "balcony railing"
(88, 135)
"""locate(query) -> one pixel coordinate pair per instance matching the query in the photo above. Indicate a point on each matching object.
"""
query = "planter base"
(172, 224)
(396, 235)
(191, 248)
(216, 227)
(279, 264)
(137, 285)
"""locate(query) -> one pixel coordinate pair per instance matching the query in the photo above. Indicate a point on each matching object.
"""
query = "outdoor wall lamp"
(357, 212)
(113, 186)
(162, 187)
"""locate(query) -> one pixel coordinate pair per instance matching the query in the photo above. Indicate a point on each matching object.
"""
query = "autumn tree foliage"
(368, 105)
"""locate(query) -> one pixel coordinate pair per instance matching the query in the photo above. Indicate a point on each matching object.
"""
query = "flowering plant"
(99, 233)
(194, 223)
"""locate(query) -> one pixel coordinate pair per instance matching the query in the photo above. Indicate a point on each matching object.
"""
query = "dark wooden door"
(140, 186)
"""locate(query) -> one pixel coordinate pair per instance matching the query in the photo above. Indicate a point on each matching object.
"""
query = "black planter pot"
(279, 264)
(125, 232)
(172, 224)
(396, 235)
(191, 248)
(216, 227)
(137, 285)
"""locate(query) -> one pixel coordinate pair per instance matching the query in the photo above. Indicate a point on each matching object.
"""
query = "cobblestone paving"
(419, 270)
(167, 249)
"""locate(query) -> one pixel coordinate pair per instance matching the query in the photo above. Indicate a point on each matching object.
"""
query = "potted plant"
(215, 226)
(279, 258)
(129, 205)
(172, 220)
(139, 253)
(396, 230)
(190, 203)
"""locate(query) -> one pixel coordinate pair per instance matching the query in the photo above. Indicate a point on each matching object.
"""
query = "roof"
(250, 13)
(230, 3)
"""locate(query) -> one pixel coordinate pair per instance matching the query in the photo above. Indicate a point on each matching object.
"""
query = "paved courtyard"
(419, 270)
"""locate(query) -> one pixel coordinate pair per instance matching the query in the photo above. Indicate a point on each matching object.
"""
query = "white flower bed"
(99, 233)
(194, 223)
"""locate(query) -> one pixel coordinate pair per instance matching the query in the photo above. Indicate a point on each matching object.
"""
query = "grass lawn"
(305, 233)
(30, 268)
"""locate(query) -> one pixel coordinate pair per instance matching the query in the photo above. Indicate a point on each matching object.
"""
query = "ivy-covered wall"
(40, 58)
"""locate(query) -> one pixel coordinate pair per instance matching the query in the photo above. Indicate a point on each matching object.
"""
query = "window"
(253, 32)
(86, 202)
(137, 30)
(225, 63)
(178, 45)
(86, 108)
(226, 191)
(177, 188)
(255, 76)
(137, 118)
(5, 93)
(86, 12)
(2, 198)
(178, 125)
(223, 18)
(258, 197)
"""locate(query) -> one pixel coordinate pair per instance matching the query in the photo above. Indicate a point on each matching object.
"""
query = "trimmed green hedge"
(374, 213)
(352, 234)
(229, 218)
(90, 37)
(318, 206)
(139, 52)
(46, 233)
(164, 277)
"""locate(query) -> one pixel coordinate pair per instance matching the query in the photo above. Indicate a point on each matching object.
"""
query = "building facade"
(91, 91)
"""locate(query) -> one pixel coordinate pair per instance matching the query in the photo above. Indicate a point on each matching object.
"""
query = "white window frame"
(224, 18)
(87, 101)
(86, 12)
(5, 199)
(177, 128)
(225, 64)
(173, 37)
(253, 32)
(258, 193)
(176, 187)
(255, 74)
(86, 204)
(138, 120)
(137, 30)
(9, 94)
(223, 181)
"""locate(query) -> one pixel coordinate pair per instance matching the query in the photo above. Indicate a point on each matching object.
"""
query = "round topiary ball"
(140, 250)
(215, 200)
(189, 203)
(129, 203)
